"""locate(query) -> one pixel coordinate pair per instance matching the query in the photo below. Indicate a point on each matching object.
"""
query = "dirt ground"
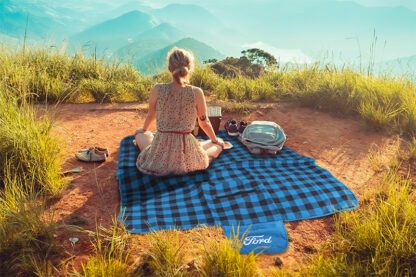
(341, 145)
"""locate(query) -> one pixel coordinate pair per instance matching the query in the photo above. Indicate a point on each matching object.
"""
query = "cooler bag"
(263, 137)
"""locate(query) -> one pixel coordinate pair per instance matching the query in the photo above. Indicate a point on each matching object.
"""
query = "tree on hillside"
(210, 61)
(259, 56)
(232, 67)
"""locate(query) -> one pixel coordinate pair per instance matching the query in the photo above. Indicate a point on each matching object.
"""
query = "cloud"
(283, 55)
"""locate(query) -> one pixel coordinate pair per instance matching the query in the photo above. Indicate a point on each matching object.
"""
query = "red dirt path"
(338, 144)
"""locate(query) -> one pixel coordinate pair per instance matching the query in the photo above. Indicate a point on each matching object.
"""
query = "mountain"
(197, 22)
(39, 21)
(150, 40)
(156, 61)
(112, 34)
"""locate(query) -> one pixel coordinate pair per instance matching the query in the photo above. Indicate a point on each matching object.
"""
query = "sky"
(411, 4)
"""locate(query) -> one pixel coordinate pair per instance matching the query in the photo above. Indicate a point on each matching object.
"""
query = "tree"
(210, 61)
(259, 56)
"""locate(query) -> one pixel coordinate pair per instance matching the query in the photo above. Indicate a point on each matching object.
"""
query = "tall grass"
(26, 232)
(27, 149)
(29, 168)
(111, 255)
(376, 240)
(385, 102)
(46, 76)
(165, 256)
(223, 258)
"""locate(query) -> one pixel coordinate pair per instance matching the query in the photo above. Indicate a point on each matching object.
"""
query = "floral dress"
(174, 150)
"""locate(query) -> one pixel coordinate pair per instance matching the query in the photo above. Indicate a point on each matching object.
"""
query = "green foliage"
(412, 148)
(27, 149)
(45, 76)
(165, 255)
(234, 67)
(206, 79)
(223, 259)
(384, 102)
(26, 233)
(29, 168)
(260, 56)
(243, 89)
(111, 254)
(376, 240)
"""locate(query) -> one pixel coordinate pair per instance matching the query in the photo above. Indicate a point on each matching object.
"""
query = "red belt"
(183, 133)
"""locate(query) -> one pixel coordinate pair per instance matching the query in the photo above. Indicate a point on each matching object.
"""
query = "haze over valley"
(295, 32)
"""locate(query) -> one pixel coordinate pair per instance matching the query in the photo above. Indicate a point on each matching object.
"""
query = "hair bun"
(183, 71)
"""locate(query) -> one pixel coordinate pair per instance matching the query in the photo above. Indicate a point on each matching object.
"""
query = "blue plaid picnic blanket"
(238, 188)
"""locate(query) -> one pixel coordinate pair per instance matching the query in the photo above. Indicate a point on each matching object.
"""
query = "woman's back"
(175, 108)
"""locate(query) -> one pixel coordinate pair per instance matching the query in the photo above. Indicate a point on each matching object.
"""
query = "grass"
(27, 242)
(222, 258)
(165, 256)
(111, 254)
(386, 103)
(376, 240)
(27, 149)
(29, 171)
(412, 148)
(46, 76)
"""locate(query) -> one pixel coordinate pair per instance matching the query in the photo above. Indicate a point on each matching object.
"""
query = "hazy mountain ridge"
(115, 33)
(155, 61)
(41, 22)
(314, 27)
(150, 40)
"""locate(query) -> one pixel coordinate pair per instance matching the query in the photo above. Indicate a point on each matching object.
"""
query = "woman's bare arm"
(203, 120)
(151, 114)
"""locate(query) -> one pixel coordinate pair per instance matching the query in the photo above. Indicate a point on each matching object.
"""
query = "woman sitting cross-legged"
(175, 105)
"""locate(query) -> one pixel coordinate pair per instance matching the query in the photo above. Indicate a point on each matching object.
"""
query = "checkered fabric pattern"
(238, 188)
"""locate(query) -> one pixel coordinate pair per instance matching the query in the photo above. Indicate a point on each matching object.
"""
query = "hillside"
(156, 61)
(195, 20)
(112, 34)
(149, 41)
(41, 21)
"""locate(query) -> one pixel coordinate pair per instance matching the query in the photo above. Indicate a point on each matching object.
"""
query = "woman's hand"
(139, 131)
(219, 142)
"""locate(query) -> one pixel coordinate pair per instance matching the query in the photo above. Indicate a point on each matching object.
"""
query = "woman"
(175, 105)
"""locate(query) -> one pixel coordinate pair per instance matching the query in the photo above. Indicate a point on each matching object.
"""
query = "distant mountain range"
(146, 42)
(134, 30)
(140, 39)
(114, 33)
(156, 60)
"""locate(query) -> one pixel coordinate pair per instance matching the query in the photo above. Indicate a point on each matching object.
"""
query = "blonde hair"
(181, 62)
